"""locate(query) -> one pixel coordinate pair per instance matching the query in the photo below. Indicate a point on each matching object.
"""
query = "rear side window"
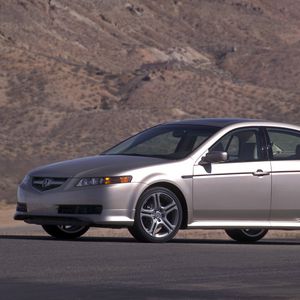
(285, 144)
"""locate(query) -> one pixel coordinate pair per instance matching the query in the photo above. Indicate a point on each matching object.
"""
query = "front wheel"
(158, 216)
(248, 235)
(65, 231)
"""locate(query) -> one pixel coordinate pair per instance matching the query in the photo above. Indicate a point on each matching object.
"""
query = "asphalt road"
(39, 267)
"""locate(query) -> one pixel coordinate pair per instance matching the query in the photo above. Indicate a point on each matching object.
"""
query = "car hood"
(100, 165)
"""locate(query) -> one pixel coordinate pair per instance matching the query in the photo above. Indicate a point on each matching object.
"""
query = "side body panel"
(230, 191)
(285, 191)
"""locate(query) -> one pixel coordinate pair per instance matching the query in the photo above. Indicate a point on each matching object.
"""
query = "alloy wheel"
(71, 228)
(159, 214)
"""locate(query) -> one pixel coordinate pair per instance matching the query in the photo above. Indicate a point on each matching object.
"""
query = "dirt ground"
(77, 77)
(8, 226)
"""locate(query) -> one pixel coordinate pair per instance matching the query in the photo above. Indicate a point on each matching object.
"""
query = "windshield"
(164, 141)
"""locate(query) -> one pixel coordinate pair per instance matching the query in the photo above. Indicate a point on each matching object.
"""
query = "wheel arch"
(180, 196)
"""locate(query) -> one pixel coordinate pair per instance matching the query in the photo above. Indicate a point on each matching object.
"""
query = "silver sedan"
(240, 175)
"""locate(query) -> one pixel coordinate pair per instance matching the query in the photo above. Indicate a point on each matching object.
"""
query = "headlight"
(92, 181)
(26, 179)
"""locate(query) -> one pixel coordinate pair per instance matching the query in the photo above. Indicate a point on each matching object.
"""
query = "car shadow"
(82, 239)
(88, 239)
(281, 242)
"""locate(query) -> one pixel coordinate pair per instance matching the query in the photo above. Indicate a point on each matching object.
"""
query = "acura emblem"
(46, 182)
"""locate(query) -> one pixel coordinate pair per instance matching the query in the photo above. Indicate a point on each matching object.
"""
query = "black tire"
(65, 232)
(247, 235)
(135, 233)
(158, 216)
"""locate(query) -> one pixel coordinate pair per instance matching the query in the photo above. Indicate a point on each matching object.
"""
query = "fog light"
(21, 207)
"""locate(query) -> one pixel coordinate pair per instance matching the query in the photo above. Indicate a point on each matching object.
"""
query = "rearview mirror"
(214, 157)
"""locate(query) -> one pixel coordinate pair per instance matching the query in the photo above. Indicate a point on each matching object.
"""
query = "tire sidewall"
(56, 232)
(239, 235)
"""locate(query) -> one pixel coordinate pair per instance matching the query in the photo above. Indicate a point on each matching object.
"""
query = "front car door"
(238, 190)
(284, 145)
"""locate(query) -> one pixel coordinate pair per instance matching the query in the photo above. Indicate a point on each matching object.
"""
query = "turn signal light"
(120, 179)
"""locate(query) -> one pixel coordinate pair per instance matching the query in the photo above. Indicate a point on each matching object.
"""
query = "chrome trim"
(245, 224)
(279, 172)
(230, 224)
(223, 174)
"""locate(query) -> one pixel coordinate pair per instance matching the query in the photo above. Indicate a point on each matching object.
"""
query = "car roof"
(215, 122)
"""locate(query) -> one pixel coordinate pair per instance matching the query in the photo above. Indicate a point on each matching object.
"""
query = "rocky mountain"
(77, 76)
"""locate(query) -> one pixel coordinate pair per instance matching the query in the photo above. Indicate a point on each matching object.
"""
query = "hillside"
(77, 76)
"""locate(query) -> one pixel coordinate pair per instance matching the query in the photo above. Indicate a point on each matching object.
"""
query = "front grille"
(47, 183)
(21, 207)
(80, 209)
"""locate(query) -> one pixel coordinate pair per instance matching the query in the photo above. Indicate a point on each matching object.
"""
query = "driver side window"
(242, 145)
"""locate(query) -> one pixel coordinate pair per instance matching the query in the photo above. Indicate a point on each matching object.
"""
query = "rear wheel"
(247, 235)
(158, 216)
(65, 231)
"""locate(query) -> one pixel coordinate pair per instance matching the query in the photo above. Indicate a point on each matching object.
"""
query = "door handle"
(260, 172)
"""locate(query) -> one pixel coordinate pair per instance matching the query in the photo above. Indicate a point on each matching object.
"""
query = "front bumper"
(51, 220)
(117, 202)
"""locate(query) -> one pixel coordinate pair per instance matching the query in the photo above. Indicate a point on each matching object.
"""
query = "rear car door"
(284, 148)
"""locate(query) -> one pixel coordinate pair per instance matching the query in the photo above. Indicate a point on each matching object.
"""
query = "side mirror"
(214, 157)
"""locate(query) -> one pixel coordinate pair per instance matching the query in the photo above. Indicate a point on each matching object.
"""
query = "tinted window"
(168, 141)
(162, 144)
(285, 144)
(241, 145)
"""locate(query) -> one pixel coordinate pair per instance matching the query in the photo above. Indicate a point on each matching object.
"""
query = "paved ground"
(38, 267)
(109, 264)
